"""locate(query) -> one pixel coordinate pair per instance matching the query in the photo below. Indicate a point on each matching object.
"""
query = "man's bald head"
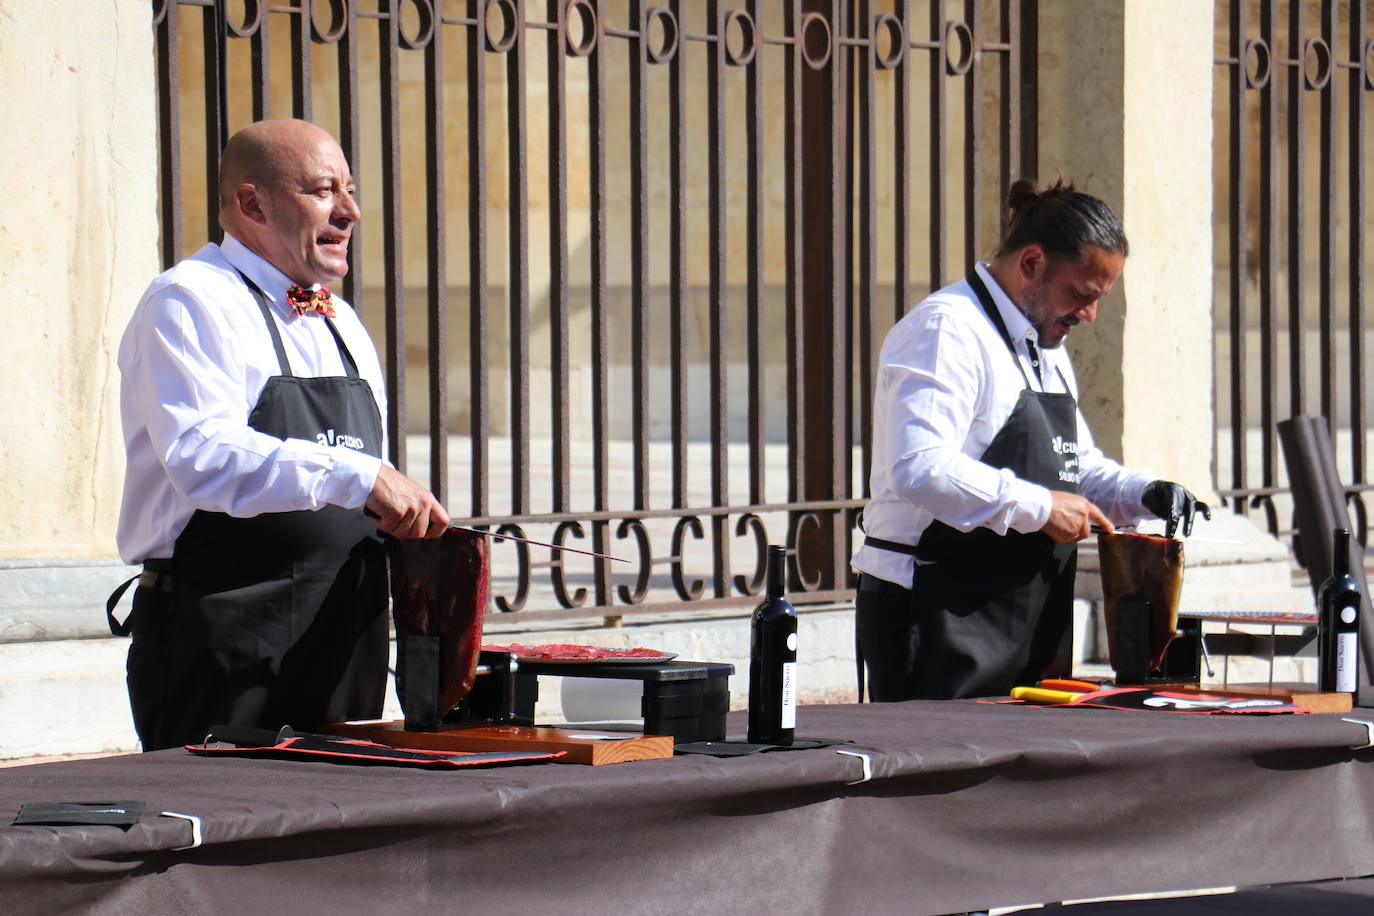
(260, 153)
(286, 192)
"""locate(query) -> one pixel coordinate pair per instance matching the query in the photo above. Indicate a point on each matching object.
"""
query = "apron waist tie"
(156, 574)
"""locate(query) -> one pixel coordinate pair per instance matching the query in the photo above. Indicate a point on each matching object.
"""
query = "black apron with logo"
(985, 611)
(274, 620)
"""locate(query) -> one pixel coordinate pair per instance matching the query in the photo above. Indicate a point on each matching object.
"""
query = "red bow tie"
(310, 301)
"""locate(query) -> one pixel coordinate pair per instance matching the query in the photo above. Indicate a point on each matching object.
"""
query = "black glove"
(1172, 502)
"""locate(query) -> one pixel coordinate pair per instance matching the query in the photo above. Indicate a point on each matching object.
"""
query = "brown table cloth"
(970, 805)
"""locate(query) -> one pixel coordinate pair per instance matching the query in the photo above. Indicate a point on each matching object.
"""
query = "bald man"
(252, 403)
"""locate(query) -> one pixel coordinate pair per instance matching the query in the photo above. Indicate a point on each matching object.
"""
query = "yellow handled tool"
(1041, 695)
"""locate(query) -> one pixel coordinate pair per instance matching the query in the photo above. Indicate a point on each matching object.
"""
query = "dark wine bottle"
(773, 660)
(1338, 622)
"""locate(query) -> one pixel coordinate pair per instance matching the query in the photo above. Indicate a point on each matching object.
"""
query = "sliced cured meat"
(439, 588)
(566, 651)
(1141, 567)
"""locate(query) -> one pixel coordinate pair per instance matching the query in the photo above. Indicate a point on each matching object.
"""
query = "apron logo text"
(348, 440)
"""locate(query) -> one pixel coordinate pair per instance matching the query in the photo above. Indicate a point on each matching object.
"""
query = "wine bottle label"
(789, 695)
(1346, 649)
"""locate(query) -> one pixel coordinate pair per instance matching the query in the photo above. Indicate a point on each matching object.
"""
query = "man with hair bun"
(984, 473)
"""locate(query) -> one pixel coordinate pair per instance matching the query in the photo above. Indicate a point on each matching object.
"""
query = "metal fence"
(1294, 81)
(691, 222)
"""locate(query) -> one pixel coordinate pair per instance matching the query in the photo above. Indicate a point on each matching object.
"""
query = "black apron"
(274, 620)
(985, 611)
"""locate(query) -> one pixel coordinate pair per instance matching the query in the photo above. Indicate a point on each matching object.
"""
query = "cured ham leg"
(1141, 567)
(439, 588)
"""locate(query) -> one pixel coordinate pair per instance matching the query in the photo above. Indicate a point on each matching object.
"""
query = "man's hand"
(1072, 518)
(1173, 503)
(402, 508)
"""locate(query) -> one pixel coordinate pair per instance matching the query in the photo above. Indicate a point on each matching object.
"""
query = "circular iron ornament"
(252, 19)
(338, 22)
(896, 50)
(813, 36)
(641, 589)
(522, 560)
(424, 10)
(1257, 63)
(804, 521)
(160, 11)
(1316, 51)
(749, 38)
(754, 585)
(685, 592)
(960, 35)
(668, 23)
(556, 571)
(509, 22)
(1367, 64)
(587, 14)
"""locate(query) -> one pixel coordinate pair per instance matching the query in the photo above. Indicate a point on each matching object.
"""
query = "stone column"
(1125, 106)
(78, 243)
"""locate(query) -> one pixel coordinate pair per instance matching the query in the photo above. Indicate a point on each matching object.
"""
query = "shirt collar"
(1018, 325)
(271, 281)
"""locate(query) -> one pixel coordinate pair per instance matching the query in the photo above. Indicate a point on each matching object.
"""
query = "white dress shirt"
(194, 360)
(946, 385)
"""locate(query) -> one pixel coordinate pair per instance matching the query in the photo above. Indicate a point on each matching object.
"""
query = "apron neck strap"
(995, 316)
(350, 366)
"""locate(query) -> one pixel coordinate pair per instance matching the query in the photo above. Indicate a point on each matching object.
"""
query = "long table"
(953, 806)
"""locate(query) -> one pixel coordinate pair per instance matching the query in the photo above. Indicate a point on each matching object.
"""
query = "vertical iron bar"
(1238, 255)
(869, 321)
(300, 58)
(350, 123)
(518, 290)
(260, 52)
(1027, 101)
(1356, 168)
(558, 256)
(216, 109)
(479, 297)
(600, 317)
(973, 123)
(639, 252)
(901, 190)
(795, 150)
(169, 124)
(394, 292)
(677, 88)
(938, 249)
(824, 363)
(1326, 252)
(720, 314)
(437, 250)
(834, 571)
(1011, 102)
(1268, 254)
(1297, 249)
(754, 230)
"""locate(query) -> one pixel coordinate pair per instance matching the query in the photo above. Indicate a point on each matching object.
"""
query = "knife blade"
(511, 537)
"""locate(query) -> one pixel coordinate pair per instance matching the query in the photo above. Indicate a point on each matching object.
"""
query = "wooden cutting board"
(1294, 694)
(580, 745)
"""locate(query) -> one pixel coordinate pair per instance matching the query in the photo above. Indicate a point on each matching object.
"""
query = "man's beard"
(1035, 304)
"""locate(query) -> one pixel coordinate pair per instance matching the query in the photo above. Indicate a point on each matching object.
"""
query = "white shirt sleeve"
(187, 379)
(928, 398)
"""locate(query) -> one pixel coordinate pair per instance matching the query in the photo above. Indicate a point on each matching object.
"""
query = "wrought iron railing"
(1291, 227)
(668, 236)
